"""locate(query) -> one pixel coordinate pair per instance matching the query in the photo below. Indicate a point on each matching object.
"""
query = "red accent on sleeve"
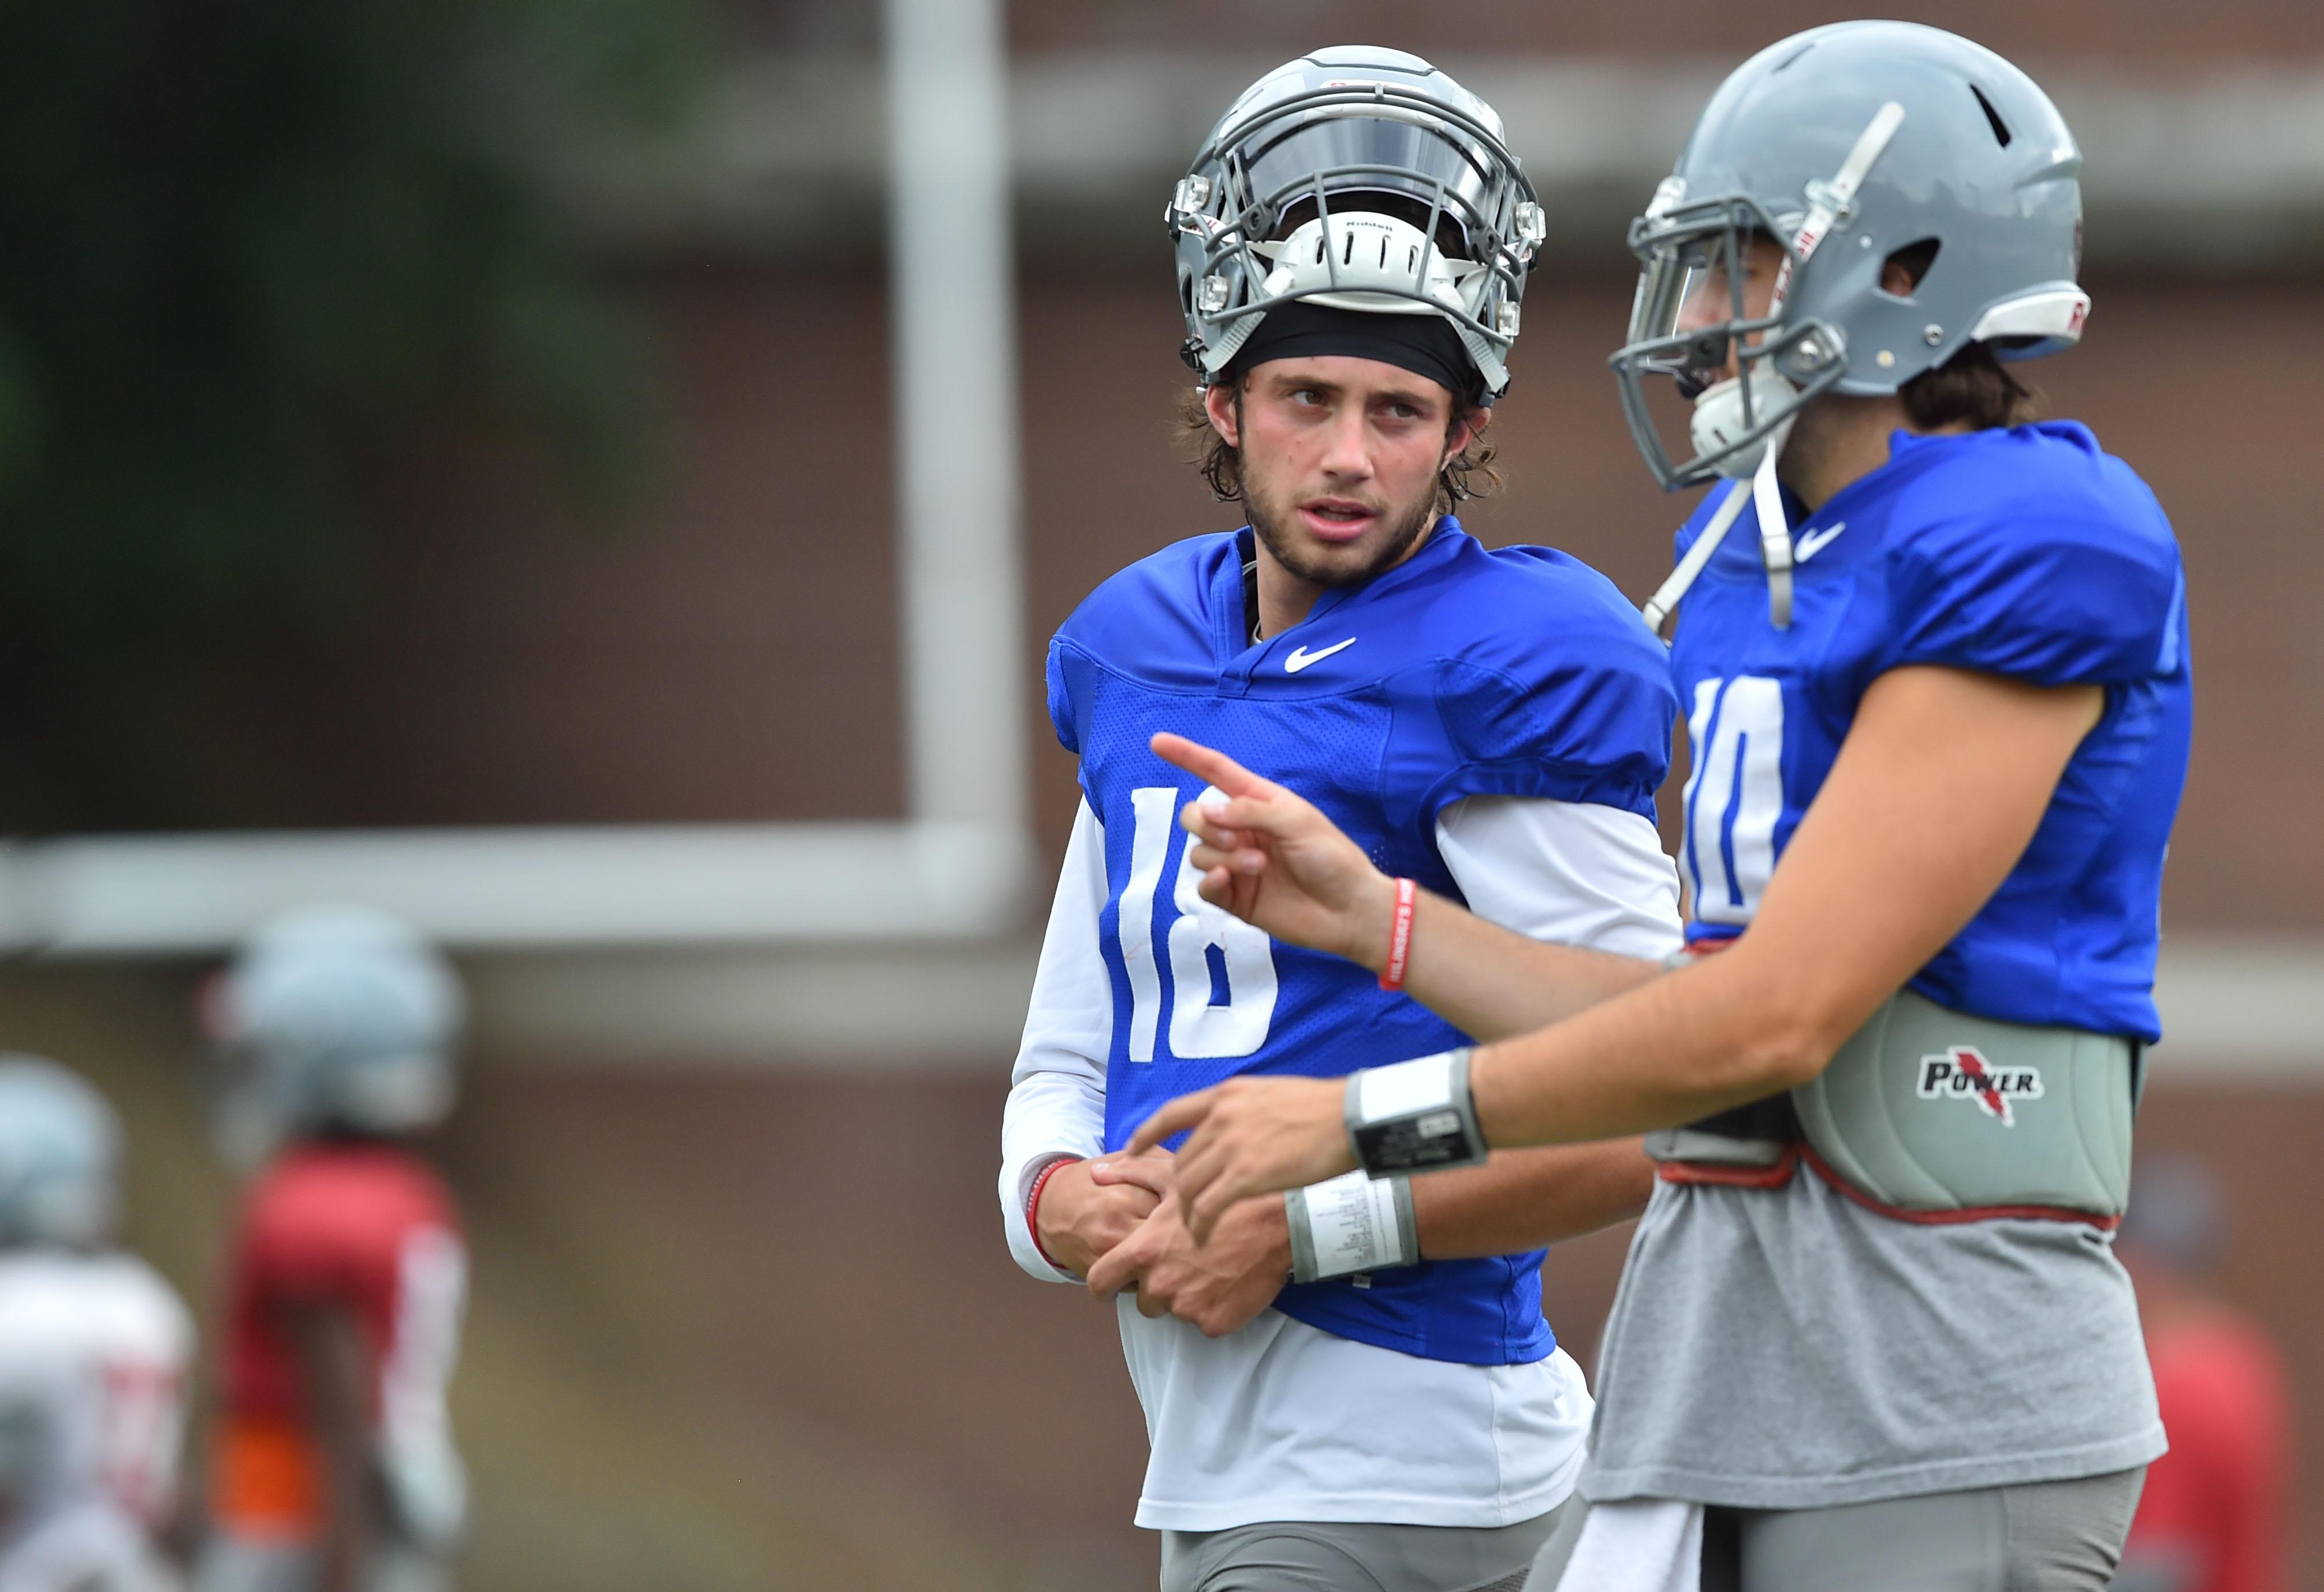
(1033, 1207)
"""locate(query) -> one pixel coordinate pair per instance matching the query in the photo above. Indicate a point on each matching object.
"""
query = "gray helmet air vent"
(1918, 258)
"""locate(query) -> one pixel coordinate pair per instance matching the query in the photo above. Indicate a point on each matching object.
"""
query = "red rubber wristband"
(1399, 936)
(1033, 1207)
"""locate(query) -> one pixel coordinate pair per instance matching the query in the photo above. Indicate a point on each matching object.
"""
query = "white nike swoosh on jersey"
(1814, 542)
(1301, 657)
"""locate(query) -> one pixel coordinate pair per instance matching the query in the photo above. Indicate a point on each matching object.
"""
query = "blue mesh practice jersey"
(1460, 673)
(2027, 553)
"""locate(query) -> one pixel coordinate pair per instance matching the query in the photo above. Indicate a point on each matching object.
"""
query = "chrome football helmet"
(1357, 178)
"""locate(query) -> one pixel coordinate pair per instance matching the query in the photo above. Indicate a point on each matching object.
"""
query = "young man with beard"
(1351, 1386)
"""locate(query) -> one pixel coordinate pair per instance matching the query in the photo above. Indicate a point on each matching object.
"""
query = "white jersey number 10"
(1734, 796)
(1202, 1025)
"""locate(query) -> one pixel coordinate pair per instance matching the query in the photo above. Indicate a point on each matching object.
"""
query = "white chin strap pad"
(1719, 418)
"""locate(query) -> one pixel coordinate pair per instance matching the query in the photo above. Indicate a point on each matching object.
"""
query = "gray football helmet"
(1847, 145)
(334, 1017)
(59, 1157)
(1358, 178)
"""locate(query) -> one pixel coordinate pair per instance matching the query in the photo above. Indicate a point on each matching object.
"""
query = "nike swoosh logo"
(1814, 542)
(1301, 657)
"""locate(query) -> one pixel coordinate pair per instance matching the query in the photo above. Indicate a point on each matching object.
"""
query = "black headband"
(1425, 343)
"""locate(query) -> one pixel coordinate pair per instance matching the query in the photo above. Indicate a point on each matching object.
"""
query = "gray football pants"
(2055, 1536)
(1324, 1556)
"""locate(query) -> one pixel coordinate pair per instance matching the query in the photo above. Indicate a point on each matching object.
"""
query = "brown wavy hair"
(1469, 474)
(1972, 388)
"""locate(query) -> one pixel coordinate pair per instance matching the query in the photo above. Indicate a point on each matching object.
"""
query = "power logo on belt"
(1962, 1073)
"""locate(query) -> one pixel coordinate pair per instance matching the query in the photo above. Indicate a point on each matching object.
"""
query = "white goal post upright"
(953, 325)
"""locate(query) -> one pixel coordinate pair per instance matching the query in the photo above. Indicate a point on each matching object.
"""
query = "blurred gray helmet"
(335, 1018)
(59, 1155)
(1356, 177)
(1848, 145)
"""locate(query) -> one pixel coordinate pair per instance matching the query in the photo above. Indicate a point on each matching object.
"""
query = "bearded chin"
(1268, 522)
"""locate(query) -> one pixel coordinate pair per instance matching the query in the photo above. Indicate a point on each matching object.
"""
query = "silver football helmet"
(335, 1018)
(1849, 145)
(59, 1157)
(1357, 178)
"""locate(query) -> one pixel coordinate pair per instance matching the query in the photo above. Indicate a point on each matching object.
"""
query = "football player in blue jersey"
(1352, 1385)
(1872, 1332)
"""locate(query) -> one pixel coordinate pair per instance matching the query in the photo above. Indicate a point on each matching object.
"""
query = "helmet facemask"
(1780, 361)
(1777, 367)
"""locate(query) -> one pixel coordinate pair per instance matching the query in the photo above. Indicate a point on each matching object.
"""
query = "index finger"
(1185, 1111)
(1150, 1171)
(1212, 767)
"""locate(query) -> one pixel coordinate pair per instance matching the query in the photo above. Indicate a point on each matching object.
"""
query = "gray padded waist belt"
(1931, 1112)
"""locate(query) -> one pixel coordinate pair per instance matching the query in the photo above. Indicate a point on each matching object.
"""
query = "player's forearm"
(1732, 1029)
(1493, 982)
(1530, 1199)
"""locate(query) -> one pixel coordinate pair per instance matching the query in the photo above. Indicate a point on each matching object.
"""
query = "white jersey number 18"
(1201, 1026)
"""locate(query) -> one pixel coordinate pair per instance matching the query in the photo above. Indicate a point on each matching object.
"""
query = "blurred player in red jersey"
(2214, 1517)
(94, 1346)
(333, 1468)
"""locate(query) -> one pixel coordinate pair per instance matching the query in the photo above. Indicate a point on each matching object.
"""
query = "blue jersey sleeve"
(1571, 702)
(1062, 718)
(2077, 586)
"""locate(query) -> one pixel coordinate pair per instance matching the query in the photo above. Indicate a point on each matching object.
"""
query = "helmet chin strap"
(1774, 534)
(1828, 205)
(1775, 544)
(1657, 608)
(1775, 541)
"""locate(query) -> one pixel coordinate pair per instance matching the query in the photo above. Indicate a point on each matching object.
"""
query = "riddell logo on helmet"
(1962, 1073)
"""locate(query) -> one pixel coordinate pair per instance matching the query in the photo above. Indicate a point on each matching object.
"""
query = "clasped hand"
(1216, 1287)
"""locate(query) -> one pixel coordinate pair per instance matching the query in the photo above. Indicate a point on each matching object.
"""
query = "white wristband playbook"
(1350, 1224)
